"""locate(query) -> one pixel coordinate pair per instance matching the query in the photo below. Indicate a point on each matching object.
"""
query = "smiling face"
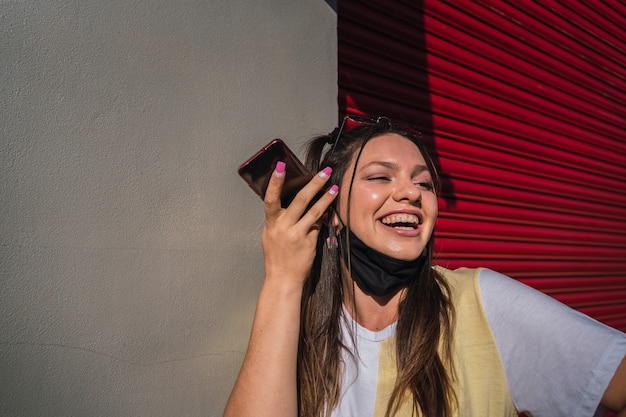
(393, 205)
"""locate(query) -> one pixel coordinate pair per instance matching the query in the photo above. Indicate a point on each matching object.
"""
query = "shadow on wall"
(383, 69)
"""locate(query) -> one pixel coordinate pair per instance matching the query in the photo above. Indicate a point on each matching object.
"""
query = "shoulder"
(459, 279)
(462, 284)
(497, 292)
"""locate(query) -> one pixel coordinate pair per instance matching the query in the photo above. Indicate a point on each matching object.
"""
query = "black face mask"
(375, 272)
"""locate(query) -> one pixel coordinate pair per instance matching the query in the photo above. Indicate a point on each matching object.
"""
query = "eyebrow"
(418, 169)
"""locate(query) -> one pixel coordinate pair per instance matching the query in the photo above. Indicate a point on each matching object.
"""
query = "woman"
(352, 319)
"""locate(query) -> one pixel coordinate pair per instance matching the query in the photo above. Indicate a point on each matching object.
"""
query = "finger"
(272, 193)
(307, 194)
(319, 209)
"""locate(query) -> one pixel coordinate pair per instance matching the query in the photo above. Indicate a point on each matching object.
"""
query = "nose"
(407, 190)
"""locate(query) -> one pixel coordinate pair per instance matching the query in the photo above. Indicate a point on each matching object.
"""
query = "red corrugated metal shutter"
(525, 107)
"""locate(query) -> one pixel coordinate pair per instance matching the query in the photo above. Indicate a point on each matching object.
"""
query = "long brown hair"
(425, 315)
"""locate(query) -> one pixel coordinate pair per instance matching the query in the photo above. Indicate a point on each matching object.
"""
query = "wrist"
(283, 285)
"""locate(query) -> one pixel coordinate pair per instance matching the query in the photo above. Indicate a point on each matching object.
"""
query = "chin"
(404, 256)
(410, 258)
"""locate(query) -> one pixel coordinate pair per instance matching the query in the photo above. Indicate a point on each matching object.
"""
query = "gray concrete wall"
(129, 248)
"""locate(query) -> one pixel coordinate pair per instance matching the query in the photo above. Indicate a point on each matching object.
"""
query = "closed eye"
(425, 185)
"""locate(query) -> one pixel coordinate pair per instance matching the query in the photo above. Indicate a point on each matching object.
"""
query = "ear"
(336, 222)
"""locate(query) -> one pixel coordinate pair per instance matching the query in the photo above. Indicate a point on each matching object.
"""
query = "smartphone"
(258, 170)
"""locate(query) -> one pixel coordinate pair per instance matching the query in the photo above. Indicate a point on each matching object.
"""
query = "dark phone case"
(257, 170)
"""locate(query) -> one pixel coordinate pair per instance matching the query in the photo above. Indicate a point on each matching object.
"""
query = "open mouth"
(402, 221)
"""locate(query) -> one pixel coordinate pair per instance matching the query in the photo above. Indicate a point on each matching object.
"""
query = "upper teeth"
(401, 218)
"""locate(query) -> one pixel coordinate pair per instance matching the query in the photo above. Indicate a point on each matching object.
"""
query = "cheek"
(430, 205)
(366, 199)
(371, 196)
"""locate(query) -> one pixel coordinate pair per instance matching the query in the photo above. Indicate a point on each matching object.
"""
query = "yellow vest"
(480, 383)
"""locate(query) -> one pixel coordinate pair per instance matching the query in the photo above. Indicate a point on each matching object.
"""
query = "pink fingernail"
(333, 190)
(325, 173)
(280, 169)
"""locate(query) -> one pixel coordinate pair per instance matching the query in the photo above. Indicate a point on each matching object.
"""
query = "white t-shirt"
(557, 361)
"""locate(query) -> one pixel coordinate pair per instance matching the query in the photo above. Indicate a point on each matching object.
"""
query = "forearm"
(615, 395)
(267, 384)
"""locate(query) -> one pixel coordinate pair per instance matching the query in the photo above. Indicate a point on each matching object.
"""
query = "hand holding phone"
(257, 170)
